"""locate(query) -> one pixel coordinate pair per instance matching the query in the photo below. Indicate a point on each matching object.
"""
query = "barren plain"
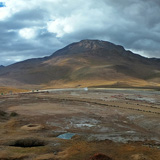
(76, 124)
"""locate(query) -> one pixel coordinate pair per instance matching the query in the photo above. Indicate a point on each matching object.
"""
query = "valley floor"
(76, 124)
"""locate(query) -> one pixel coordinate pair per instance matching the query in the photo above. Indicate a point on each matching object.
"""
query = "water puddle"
(66, 135)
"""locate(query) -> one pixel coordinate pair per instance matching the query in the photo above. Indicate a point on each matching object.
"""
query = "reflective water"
(66, 135)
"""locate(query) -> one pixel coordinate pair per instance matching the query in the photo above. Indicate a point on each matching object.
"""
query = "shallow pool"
(66, 135)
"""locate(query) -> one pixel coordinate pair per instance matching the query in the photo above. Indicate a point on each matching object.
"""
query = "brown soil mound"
(100, 156)
(32, 127)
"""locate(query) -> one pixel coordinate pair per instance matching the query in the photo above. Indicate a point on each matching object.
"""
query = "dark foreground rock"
(100, 156)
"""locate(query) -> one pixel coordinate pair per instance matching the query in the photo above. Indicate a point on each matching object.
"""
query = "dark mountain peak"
(1, 66)
(88, 46)
(93, 44)
(96, 44)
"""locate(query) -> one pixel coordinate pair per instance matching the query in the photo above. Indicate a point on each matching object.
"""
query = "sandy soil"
(122, 124)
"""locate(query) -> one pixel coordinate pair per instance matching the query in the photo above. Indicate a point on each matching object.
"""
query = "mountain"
(1, 66)
(83, 64)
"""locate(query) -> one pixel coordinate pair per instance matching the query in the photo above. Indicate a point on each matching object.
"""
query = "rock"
(100, 156)
(32, 127)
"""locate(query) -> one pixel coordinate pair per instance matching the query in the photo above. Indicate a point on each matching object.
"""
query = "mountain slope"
(85, 63)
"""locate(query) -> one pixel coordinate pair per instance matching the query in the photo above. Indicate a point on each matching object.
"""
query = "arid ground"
(76, 124)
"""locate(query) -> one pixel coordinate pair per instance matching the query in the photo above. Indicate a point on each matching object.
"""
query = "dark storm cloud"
(25, 18)
(42, 28)
(30, 15)
(138, 25)
(14, 48)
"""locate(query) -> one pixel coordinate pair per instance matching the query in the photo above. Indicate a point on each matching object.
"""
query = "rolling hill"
(84, 64)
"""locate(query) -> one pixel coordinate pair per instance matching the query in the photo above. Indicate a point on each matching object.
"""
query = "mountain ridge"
(85, 63)
(86, 45)
(57, 53)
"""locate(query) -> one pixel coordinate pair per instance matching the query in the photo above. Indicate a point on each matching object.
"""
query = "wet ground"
(76, 124)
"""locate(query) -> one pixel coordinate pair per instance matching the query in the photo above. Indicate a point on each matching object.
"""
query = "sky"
(37, 28)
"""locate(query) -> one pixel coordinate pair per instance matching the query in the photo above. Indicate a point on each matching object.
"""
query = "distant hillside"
(8, 90)
(1, 66)
(83, 64)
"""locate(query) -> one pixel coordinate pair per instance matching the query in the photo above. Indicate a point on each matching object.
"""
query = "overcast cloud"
(32, 28)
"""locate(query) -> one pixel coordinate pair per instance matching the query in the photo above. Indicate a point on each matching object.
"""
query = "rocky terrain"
(80, 124)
